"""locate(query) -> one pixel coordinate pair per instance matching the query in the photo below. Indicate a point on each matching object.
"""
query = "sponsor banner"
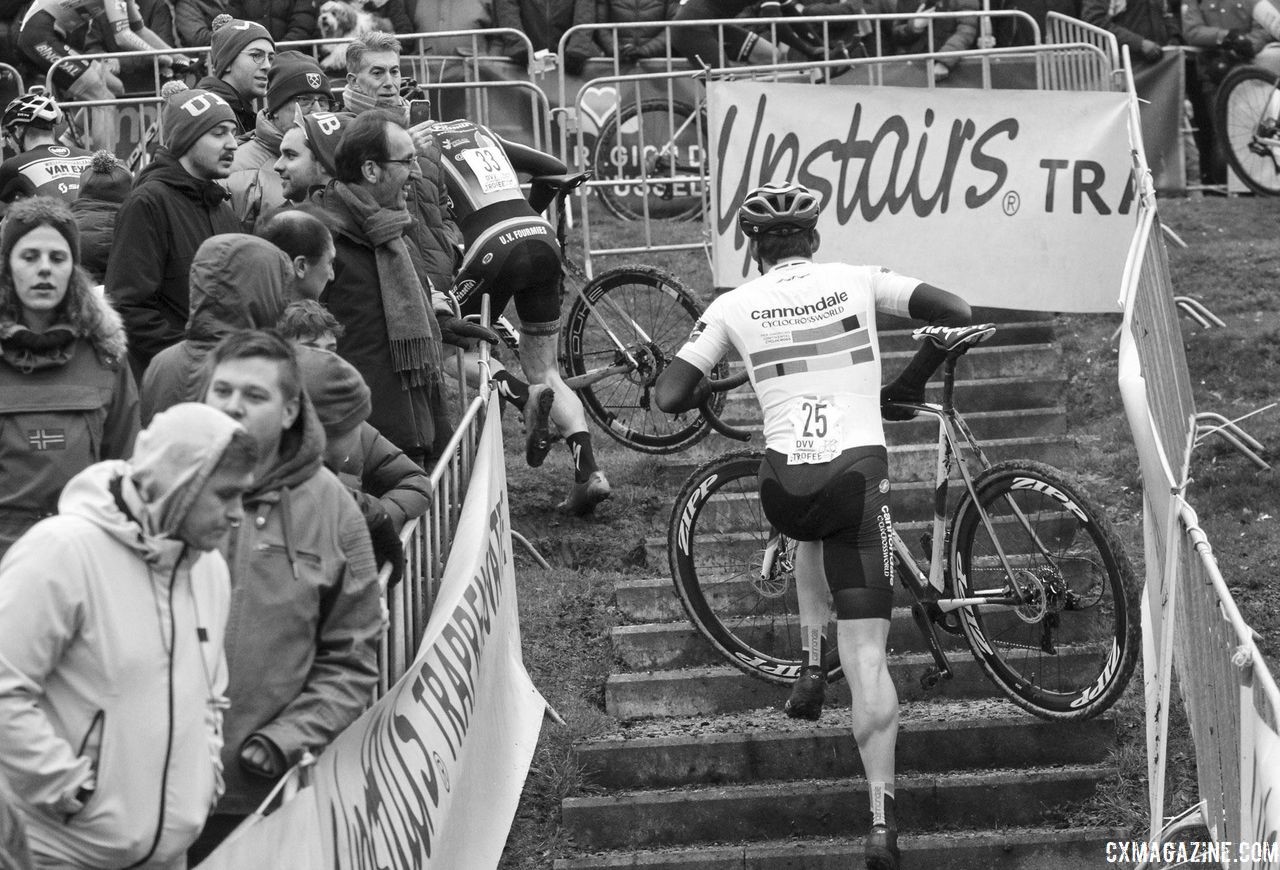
(1160, 104)
(430, 776)
(288, 839)
(1021, 199)
(1259, 778)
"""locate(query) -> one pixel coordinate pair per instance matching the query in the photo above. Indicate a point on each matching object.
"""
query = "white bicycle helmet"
(32, 110)
(779, 209)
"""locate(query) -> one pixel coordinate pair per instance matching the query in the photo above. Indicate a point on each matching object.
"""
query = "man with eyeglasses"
(240, 54)
(296, 87)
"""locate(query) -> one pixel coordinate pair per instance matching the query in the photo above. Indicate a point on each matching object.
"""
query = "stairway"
(705, 771)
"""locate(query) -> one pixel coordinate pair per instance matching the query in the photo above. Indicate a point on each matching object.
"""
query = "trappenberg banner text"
(1013, 199)
(430, 776)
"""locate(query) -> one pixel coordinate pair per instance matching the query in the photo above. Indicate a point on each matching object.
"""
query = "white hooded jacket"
(111, 660)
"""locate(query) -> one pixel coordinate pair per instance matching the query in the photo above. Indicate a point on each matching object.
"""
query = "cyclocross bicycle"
(1247, 116)
(621, 330)
(1028, 570)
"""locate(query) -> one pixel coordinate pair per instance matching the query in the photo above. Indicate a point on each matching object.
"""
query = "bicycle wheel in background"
(650, 314)
(657, 147)
(1069, 652)
(1246, 113)
(716, 541)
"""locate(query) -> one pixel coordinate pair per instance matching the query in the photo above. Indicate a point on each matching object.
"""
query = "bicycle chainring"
(1035, 604)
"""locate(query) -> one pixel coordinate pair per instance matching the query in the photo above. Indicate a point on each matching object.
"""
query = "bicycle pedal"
(931, 677)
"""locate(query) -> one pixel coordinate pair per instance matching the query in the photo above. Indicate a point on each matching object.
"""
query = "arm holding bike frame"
(938, 308)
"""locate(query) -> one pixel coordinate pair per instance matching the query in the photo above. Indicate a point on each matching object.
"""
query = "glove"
(260, 757)
(1238, 43)
(1151, 51)
(520, 56)
(461, 333)
(939, 71)
(574, 62)
(386, 543)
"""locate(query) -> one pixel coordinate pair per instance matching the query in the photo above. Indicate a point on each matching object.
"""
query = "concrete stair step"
(1030, 848)
(713, 689)
(826, 807)
(764, 745)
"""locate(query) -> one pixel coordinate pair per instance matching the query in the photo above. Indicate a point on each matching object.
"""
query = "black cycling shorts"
(515, 259)
(844, 504)
(41, 41)
(694, 43)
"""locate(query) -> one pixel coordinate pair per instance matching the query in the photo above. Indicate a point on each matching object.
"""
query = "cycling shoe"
(583, 497)
(807, 693)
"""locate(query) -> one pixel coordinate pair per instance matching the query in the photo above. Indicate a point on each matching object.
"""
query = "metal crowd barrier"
(1082, 72)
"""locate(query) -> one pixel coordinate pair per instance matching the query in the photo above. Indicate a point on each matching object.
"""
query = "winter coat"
(383, 471)
(96, 219)
(111, 668)
(237, 282)
(305, 618)
(1137, 21)
(544, 22)
(949, 34)
(246, 114)
(193, 19)
(393, 11)
(255, 188)
(284, 19)
(14, 852)
(59, 415)
(643, 41)
(439, 16)
(161, 224)
(1206, 23)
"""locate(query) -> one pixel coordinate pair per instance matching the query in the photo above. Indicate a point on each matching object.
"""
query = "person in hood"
(104, 184)
(237, 282)
(67, 398)
(296, 87)
(175, 205)
(240, 53)
(112, 674)
(305, 604)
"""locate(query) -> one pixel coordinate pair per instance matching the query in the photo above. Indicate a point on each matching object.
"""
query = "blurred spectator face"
(380, 77)
(41, 266)
(211, 155)
(249, 391)
(297, 166)
(248, 72)
(339, 448)
(324, 341)
(216, 508)
(307, 104)
(311, 277)
(394, 174)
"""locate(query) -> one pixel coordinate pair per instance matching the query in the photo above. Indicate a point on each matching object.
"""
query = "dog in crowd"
(342, 19)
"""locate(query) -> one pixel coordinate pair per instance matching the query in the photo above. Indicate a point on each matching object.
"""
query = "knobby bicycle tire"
(630, 147)
(657, 303)
(716, 538)
(1070, 652)
(1246, 108)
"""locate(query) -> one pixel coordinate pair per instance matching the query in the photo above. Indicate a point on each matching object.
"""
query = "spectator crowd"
(222, 383)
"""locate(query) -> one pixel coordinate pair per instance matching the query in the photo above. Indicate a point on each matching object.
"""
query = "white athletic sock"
(812, 644)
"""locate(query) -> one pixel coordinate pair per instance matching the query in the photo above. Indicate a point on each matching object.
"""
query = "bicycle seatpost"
(949, 381)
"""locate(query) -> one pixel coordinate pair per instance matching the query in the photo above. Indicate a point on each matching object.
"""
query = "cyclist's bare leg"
(875, 700)
(538, 359)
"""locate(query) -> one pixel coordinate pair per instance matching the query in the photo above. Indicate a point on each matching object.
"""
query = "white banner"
(1014, 199)
(431, 775)
(1259, 780)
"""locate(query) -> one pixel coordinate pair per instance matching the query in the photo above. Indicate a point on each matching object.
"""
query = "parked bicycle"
(1247, 117)
(622, 329)
(1028, 570)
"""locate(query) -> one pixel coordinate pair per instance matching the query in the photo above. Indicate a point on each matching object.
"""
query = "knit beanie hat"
(338, 393)
(230, 36)
(189, 115)
(293, 74)
(37, 211)
(105, 178)
(323, 131)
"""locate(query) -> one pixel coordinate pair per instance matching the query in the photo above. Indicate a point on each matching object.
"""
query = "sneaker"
(584, 497)
(882, 848)
(537, 424)
(806, 694)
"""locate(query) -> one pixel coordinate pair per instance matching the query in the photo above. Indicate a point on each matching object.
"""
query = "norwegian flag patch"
(47, 439)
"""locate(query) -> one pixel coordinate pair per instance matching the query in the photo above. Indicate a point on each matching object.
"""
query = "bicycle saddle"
(953, 338)
(545, 188)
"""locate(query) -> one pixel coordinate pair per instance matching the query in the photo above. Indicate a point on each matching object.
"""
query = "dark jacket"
(246, 114)
(237, 282)
(393, 11)
(192, 20)
(284, 19)
(302, 633)
(58, 416)
(161, 224)
(640, 42)
(949, 34)
(383, 471)
(544, 22)
(96, 219)
(1138, 20)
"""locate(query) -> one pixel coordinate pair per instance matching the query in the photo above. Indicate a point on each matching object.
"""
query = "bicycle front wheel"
(647, 314)
(717, 542)
(1068, 651)
(1247, 115)
(652, 153)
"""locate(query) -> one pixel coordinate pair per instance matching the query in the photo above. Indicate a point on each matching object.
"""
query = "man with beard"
(306, 153)
(175, 205)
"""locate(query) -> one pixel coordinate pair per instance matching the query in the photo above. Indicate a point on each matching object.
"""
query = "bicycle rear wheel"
(650, 315)
(1069, 651)
(1247, 115)
(716, 542)
(657, 147)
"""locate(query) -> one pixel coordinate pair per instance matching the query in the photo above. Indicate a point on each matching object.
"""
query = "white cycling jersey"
(807, 334)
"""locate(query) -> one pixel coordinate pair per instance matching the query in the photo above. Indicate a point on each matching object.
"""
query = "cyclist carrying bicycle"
(807, 333)
(511, 253)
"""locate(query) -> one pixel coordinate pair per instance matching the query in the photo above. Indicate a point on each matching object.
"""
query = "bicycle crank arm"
(948, 605)
(943, 669)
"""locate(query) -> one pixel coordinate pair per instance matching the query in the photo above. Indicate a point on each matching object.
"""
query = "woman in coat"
(67, 398)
